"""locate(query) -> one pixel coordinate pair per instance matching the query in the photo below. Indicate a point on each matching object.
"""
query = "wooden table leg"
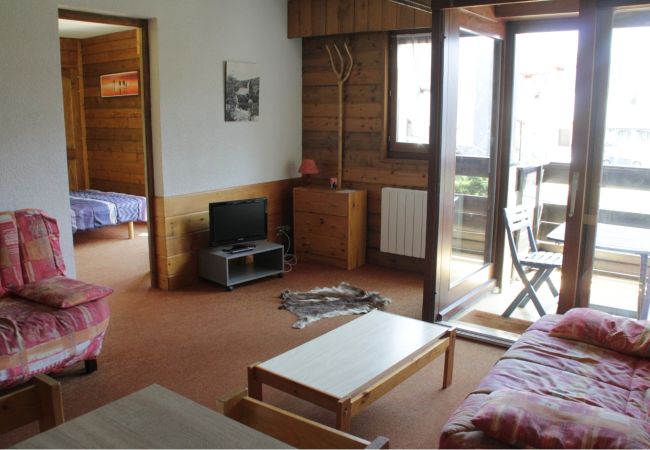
(254, 386)
(449, 359)
(344, 415)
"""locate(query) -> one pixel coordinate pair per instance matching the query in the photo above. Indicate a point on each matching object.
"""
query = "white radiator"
(403, 221)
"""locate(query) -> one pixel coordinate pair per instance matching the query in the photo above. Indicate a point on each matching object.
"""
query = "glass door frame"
(592, 81)
(589, 117)
(442, 162)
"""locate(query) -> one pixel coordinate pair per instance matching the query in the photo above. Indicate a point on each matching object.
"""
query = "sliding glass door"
(467, 179)
(622, 243)
(607, 237)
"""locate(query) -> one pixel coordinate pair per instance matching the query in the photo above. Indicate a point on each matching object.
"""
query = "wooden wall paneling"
(182, 225)
(365, 165)
(405, 18)
(482, 20)
(346, 17)
(361, 15)
(73, 107)
(375, 18)
(318, 17)
(422, 19)
(293, 18)
(332, 17)
(114, 126)
(389, 13)
(305, 18)
(311, 18)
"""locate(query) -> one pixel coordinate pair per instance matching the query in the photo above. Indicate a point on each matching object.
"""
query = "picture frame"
(242, 92)
(120, 84)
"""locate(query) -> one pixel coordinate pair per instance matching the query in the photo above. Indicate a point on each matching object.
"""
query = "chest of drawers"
(330, 226)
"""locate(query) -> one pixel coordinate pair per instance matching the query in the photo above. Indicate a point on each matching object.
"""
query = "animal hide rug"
(319, 303)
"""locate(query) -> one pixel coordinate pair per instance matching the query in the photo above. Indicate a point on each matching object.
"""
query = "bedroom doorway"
(105, 76)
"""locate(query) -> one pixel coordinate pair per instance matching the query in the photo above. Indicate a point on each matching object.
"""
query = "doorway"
(108, 129)
(468, 166)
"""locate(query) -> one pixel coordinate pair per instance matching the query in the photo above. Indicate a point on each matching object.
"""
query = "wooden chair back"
(40, 401)
(287, 427)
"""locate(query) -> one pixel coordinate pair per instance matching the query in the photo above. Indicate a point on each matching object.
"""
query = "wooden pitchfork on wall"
(342, 72)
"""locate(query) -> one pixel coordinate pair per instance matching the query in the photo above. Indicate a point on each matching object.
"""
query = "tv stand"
(229, 267)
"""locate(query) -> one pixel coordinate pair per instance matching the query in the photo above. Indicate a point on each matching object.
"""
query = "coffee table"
(350, 367)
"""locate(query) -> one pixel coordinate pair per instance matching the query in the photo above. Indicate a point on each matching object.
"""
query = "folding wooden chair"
(287, 427)
(40, 400)
(517, 219)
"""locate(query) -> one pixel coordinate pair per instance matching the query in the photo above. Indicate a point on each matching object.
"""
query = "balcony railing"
(470, 220)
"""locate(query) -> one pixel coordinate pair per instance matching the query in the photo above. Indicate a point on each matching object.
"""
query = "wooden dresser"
(330, 226)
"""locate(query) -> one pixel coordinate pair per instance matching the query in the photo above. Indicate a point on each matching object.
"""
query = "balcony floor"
(607, 292)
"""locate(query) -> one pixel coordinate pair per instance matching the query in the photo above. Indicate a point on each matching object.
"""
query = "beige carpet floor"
(198, 341)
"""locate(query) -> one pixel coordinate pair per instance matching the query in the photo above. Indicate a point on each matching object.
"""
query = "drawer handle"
(322, 221)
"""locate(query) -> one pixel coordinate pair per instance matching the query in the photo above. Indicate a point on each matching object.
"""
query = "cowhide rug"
(319, 303)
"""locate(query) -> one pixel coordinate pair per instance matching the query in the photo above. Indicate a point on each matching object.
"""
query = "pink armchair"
(47, 321)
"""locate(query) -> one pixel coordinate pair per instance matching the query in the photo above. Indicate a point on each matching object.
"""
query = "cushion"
(10, 270)
(62, 292)
(524, 419)
(629, 336)
(40, 250)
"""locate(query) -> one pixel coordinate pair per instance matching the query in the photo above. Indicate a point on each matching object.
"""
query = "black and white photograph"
(242, 92)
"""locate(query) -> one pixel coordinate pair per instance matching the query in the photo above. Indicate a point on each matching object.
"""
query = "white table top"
(351, 357)
(153, 417)
(616, 238)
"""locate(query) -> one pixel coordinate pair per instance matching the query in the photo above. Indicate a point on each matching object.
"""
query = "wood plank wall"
(327, 17)
(365, 164)
(75, 128)
(309, 18)
(182, 226)
(114, 126)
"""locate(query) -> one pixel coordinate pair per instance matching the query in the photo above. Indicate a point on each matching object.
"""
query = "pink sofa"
(600, 375)
(64, 322)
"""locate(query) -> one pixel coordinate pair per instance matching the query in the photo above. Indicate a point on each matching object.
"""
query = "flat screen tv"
(237, 221)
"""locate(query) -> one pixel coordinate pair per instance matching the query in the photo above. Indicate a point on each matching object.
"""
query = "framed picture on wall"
(119, 84)
(242, 96)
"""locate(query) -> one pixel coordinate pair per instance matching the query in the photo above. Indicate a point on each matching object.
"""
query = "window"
(410, 92)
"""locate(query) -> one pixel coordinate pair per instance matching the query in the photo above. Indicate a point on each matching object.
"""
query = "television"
(237, 221)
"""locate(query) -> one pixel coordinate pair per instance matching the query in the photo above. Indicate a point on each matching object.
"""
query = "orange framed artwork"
(119, 84)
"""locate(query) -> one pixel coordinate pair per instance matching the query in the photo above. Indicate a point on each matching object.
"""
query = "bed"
(92, 209)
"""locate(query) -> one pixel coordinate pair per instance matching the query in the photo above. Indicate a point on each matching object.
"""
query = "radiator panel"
(403, 221)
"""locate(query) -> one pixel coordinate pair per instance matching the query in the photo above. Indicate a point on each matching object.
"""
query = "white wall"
(194, 149)
(33, 169)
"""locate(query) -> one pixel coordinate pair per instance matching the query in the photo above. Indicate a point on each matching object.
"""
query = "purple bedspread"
(94, 209)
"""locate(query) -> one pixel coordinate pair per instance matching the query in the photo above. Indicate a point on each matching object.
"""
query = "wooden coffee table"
(350, 367)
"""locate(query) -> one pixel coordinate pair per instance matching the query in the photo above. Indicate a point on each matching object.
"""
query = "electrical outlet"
(283, 229)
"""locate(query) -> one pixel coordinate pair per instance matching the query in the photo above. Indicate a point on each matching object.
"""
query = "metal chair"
(517, 219)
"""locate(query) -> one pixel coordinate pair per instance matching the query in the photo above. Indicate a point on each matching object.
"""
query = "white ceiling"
(82, 30)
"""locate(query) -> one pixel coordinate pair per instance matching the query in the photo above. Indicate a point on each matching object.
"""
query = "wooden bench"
(288, 427)
(40, 400)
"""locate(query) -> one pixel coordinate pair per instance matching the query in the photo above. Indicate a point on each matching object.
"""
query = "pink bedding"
(560, 368)
(36, 338)
(40, 339)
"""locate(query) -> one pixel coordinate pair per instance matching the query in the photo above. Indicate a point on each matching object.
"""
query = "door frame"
(143, 25)
(445, 23)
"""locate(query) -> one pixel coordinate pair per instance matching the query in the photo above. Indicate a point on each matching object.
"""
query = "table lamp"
(307, 169)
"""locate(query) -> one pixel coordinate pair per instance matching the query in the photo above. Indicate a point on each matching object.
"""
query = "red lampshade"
(308, 167)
